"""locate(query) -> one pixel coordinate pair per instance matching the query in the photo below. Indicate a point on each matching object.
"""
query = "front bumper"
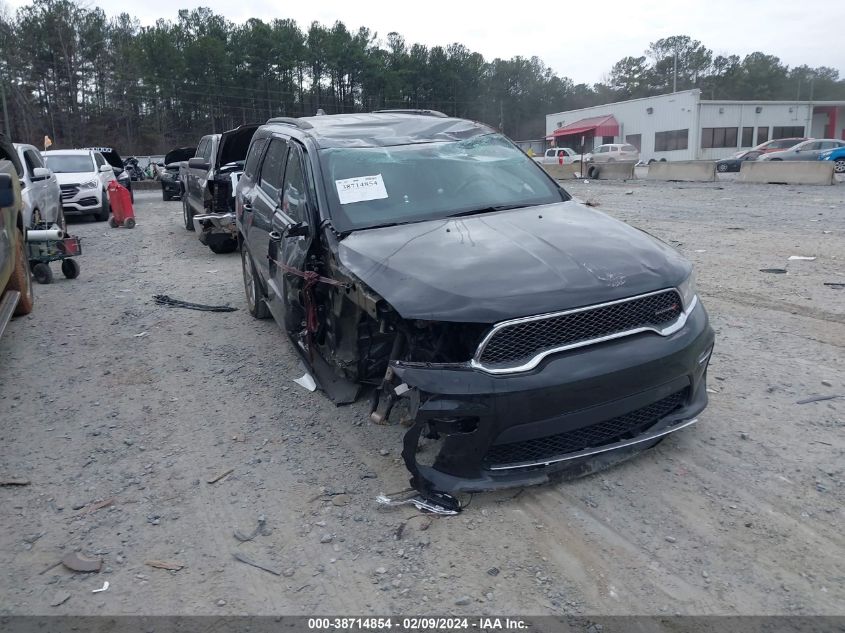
(577, 412)
(211, 227)
(173, 187)
(83, 202)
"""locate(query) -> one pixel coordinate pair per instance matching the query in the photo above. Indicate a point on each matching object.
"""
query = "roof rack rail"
(289, 120)
(413, 111)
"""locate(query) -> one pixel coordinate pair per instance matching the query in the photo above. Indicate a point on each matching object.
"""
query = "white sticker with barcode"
(360, 189)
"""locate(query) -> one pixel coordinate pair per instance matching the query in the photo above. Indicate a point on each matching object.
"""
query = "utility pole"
(6, 127)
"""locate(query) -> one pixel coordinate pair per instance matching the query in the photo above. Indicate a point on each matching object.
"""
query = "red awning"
(600, 125)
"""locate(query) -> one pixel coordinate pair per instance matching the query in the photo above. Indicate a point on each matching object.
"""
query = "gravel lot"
(105, 396)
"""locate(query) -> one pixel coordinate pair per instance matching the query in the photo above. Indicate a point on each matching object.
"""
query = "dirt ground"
(107, 397)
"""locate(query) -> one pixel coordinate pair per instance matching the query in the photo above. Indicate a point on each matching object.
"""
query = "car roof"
(379, 129)
(69, 152)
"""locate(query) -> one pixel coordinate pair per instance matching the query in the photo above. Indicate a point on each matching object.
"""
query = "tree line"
(70, 72)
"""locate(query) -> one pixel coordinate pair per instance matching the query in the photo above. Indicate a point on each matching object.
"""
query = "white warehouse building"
(683, 126)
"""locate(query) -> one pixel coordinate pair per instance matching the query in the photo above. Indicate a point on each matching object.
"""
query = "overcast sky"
(581, 40)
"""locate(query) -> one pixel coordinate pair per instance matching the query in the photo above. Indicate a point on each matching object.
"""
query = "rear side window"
(253, 156)
(294, 196)
(273, 168)
(33, 160)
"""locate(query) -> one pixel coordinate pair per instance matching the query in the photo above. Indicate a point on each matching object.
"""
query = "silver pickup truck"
(208, 182)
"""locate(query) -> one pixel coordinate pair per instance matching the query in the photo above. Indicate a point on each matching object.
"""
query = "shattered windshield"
(70, 163)
(377, 186)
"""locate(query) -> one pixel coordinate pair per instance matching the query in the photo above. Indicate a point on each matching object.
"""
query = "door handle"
(275, 236)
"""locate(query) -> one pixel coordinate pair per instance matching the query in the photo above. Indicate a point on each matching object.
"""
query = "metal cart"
(41, 253)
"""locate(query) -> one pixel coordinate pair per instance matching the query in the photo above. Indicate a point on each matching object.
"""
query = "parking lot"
(152, 434)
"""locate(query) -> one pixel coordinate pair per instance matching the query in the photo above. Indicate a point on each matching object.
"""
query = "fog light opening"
(705, 357)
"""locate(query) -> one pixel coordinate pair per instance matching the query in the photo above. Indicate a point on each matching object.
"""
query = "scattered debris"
(592, 203)
(801, 258)
(13, 481)
(165, 564)
(221, 476)
(75, 562)
(178, 303)
(493, 571)
(819, 398)
(419, 502)
(247, 560)
(53, 566)
(774, 271)
(140, 334)
(105, 587)
(259, 529)
(31, 538)
(306, 381)
(836, 285)
(98, 505)
(60, 598)
(397, 533)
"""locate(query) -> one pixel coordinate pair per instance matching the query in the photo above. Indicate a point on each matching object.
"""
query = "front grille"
(616, 429)
(69, 191)
(518, 343)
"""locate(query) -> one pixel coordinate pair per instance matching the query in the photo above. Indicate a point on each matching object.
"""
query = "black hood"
(497, 266)
(235, 143)
(179, 154)
(112, 157)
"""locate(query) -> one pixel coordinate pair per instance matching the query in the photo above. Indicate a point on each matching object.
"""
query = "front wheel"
(839, 165)
(187, 214)
(254, 300)
(721, 167)
(103, 214)
(21, 280)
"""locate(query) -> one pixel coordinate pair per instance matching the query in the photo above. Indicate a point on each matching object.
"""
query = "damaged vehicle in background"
(117, 164)
(171, 184)
(209, 180)
(428, 260)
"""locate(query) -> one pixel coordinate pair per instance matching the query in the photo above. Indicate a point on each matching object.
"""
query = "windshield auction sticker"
(360, 189)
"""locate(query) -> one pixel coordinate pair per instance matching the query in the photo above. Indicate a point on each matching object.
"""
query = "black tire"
(105, 209)
(839, 165)
(254, 295)
(722, 167)
(42, 273)
(21, 279)
(129, 223)
(70, 268)
(651, 160)
(223, 246)
(611, 160)
(113, 223)
(187, 215)
(166, 195)
(593, 172)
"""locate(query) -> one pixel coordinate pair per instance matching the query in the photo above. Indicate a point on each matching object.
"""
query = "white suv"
(39, 189)
(612, 152)
(83, 177)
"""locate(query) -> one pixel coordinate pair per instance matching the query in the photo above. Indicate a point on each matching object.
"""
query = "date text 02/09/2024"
(423, 623)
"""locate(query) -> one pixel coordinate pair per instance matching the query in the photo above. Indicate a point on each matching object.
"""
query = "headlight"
(687, 290)
(91, 184)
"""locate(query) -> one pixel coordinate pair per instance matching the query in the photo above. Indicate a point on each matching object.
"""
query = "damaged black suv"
(519, 332)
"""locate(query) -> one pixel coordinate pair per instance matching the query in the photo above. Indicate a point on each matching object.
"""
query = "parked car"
(40, 193)
(83, 176)
(118, 167)
(554, 156)
(171, 185)
(838, 158)
(779, 144)
(431, 261)
(16, 297)
(808, 150)
(209, 180)
(612, 152)
(734, 163)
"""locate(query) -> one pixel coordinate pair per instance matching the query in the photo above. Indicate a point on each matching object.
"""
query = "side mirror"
(105, 169)
(297, 230)
(198, 162)
(7, 192)
(41, 173)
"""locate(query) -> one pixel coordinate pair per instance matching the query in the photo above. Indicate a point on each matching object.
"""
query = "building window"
(671, 140)
(747, 137)
(793, 131)
(636, 140)
(605, 140)
(762, 134)
(718, 137)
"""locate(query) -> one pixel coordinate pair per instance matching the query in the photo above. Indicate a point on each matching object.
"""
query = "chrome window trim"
(670, 329)
(653, 435)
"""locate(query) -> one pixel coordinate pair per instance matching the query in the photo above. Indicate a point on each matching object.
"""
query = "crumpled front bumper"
(479, 417)
(215, 226)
